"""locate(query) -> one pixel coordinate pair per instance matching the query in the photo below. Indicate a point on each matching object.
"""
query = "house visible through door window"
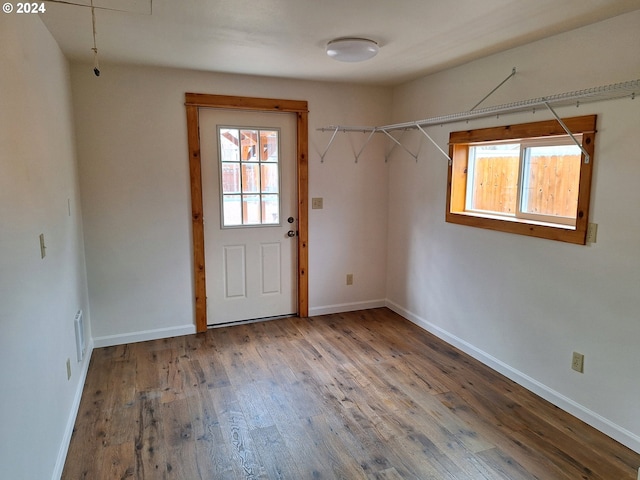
(249, 176)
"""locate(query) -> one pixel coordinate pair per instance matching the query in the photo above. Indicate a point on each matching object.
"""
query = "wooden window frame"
(457, 178)
(194, 102)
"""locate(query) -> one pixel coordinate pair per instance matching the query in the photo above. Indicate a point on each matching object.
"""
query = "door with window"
(249, 205)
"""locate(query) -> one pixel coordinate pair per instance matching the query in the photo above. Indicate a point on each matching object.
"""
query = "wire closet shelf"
(605, 92)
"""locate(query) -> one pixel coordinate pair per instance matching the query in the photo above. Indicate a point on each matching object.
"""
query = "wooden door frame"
(194, 102)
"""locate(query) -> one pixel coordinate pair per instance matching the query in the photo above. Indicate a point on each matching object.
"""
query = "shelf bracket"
(435, 144)
(566, 129)
(397, 143)
(365, 144)
(329, 145)
(513, 72)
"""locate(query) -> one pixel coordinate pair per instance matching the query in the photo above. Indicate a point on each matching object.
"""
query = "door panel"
(271, 265)
(234, 271)
(251, 268)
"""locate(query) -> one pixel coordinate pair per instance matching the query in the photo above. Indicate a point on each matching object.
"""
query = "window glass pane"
(230, 178)
(550, 180)
(270, 209)
(249, 145)
(269, 146)
(493, 177)
(269, 177)
(251, 209)
(250, 178)
(229, 141)
(231, 210)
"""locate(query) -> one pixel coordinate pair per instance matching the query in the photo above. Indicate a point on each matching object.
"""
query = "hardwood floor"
(361, 395)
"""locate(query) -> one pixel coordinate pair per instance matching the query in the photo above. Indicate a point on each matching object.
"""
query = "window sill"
(509, 218)
(551, 231)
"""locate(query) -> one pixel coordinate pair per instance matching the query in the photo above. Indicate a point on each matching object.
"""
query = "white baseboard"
(143, 336)
(345, 307)
(71, 421)
(590, 417)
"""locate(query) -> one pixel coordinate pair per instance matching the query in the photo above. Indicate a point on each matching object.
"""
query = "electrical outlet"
(349, 278)
(577, 362)
(68, 368)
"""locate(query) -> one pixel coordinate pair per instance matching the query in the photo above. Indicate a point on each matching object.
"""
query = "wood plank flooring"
(361, 395)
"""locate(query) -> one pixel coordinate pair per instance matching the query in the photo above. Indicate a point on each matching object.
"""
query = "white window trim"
(557, 140)
(240, 162)
(542, 142)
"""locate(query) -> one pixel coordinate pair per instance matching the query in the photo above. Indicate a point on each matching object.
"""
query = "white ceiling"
(287, 38)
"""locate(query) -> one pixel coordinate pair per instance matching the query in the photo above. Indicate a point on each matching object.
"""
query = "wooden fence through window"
(552, 181)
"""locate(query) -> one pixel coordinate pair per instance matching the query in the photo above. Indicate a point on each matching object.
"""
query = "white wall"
(38, 297)
(520, 304)
(133, 163)
(524, 304)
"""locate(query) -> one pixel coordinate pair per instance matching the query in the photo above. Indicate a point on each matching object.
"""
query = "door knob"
(291, 233)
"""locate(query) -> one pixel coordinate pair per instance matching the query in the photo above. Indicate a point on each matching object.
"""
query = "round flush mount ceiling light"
(352, 49)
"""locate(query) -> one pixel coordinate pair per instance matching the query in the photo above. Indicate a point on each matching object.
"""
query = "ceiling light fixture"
(352, 49)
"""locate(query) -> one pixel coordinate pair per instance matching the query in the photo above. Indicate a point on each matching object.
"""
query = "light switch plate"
(316, 203)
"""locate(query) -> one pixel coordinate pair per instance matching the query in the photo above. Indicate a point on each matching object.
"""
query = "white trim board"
(346, 307)
(143, 336)
(590, 417)
(71, 421)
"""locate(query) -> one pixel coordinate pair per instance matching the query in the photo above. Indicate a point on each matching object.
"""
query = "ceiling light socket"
(352, 49)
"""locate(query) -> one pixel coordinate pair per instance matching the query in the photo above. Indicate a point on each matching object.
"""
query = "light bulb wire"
(96, 66)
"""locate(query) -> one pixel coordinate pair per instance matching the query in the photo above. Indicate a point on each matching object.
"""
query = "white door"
(250, 214)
